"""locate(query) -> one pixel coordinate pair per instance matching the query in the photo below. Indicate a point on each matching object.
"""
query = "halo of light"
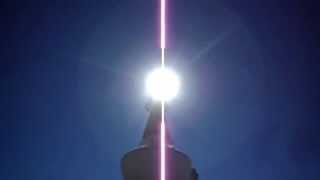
(162, 84)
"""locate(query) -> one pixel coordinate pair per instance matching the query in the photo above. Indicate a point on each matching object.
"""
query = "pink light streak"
(163, 145)
(163, 24)
(162, 125)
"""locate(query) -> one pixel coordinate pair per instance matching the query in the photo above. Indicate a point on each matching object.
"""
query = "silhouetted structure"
(143, 163)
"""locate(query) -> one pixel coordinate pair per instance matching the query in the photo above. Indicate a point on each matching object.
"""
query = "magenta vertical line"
(163, 24)
(163, 125)
(163, 144)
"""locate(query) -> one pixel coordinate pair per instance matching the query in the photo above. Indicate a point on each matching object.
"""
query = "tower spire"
(142, 162)
(151, 135)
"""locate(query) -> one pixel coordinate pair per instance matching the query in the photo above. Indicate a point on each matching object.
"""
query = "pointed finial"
(151, 133)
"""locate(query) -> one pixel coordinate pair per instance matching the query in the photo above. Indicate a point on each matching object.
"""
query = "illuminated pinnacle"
(152, 132)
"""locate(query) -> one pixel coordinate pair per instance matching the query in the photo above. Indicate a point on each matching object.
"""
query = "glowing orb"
(162, 84)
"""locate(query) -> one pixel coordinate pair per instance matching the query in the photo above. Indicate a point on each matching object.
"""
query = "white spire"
(152, 130)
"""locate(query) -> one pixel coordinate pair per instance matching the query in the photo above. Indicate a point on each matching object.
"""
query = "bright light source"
(162, 84)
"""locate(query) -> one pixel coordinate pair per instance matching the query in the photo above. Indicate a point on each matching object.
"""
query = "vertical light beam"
(163, 146)
(163, 24)
(162, 30)
(162, 125)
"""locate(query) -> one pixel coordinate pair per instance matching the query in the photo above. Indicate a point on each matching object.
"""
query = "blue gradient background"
(72, 92)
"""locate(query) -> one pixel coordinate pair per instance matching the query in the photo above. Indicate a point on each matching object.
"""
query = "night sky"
(72, 86)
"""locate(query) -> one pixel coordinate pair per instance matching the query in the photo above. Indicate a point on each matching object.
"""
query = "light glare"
(162, 84)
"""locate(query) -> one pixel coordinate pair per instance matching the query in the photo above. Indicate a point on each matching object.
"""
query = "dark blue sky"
(72, 74)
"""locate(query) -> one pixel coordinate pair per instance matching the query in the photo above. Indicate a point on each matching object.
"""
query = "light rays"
(162, 124)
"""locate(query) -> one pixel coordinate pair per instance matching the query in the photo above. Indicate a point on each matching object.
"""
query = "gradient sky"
(72, 86)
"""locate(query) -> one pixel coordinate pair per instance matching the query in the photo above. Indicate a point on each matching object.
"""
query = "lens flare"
(162, 84)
